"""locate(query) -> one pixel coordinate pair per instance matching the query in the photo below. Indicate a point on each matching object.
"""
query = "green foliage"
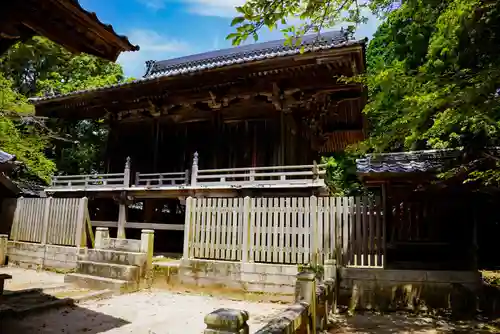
(318, 270)
(433, 73)
(18, 138)
(40, 67)
(315, 15)
(341, 175)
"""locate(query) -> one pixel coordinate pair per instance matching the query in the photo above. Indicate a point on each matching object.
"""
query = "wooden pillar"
(282, 139)
(122, 220)
(149, 205)
(155, 135)
(386, 218)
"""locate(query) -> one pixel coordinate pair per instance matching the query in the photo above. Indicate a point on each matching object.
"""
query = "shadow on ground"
(392, 323)
(32, 311)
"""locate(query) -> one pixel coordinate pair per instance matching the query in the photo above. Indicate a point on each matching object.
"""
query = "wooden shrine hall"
(250, 120)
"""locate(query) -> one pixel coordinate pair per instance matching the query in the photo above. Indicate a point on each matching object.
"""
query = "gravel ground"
(29, 279)
(152, 312)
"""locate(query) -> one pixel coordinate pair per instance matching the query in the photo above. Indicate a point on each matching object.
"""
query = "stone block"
(125, 245)
(268, 278)
(263, 268)
(225, 321)
(467, 277)
(99, 283)
(55, 264)
(287, 321)
(118, 257)
(109, 270)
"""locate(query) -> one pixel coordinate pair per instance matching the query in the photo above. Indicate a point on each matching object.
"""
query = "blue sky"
(172, 28)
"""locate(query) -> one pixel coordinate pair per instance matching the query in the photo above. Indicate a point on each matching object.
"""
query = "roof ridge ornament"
(149, 66)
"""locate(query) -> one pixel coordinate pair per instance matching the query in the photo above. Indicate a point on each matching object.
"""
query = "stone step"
(109, 270)
(114, 256)
(100, 283)
(124, 245)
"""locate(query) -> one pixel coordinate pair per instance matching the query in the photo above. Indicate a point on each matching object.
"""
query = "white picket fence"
(52, 221)
(287, 230)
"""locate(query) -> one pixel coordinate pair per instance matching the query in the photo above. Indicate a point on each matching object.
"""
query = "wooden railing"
(90, 181)
(252, 177)
(260, 176)
(162, 179)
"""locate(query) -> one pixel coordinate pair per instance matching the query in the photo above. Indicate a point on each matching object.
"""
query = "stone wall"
(248, 277)
(37, 256)
(382, 289)
(309, 313)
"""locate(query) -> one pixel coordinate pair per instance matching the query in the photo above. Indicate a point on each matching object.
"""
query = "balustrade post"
(126, 173)
(186, 177)
(194, 170)
(315, 171)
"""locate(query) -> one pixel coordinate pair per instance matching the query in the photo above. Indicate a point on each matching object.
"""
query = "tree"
(20, 138)
(41, 67)
(433, 72)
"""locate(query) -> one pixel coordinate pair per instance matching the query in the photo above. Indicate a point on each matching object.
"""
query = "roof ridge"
(245, 51)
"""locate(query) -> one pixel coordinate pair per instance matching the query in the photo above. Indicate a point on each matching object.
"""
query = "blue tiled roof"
(225, 57)
(406, 162)
(243, 54)
(6, 157)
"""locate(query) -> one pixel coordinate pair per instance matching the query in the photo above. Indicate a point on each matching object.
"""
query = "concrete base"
(100, 283)
(35, 256)
(109, 270)
(247, 277)
(414, 290)
(117, 257)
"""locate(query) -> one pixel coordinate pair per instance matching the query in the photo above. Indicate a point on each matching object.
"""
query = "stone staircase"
(115, 264)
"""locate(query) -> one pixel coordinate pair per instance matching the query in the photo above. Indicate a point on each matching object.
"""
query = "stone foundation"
(416, 290)
(247, 277)
(36, 256)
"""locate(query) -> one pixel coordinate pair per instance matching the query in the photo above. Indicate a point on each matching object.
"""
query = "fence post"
(186, 254)
(126, 173)
(122, 219)
(81, 236)
(313, 203)
(246, 231)
(147, 246)
(45, 221)
(4, 240)
(101, 233)
(305, 291)
(194, 170)
(14, 231)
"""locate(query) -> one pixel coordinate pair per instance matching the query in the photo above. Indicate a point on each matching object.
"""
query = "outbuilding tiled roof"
(243, 54)
(6, 157)
(406, 162)
(226, 57)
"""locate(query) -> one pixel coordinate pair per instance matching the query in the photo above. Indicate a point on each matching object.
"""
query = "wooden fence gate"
(52, 221)
(286, 230)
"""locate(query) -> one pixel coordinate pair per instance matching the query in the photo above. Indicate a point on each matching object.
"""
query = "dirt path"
(139, 313)
(392, 323)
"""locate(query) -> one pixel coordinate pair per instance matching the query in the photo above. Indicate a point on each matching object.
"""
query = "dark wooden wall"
(162, 146)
